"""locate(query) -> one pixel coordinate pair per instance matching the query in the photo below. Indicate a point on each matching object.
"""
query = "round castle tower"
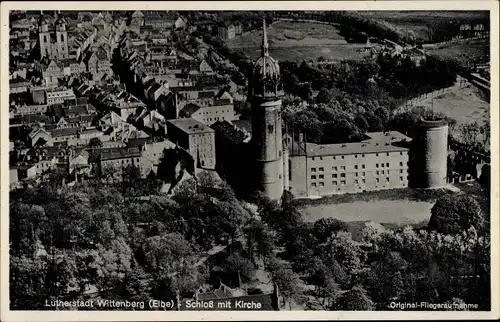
(429, 158)
(265, 92)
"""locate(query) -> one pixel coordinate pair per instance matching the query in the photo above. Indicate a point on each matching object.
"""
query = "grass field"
(392, 208)
(420, 21)
(298, 41)
(465, 52)
(398, 212)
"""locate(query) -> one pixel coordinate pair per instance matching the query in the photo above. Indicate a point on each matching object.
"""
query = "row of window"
(356, 167)
(214, 119)
(356, 181)
(355, 156)
(216, 112)
(356, 174)
(54, 94)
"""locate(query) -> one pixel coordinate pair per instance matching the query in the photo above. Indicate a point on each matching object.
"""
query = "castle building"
(376, 163)
(53, 37)
(265, 92)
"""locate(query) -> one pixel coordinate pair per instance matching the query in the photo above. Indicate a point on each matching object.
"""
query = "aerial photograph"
(249, 160)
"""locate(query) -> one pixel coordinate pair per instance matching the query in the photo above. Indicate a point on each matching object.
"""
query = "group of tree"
(447, 262)
(95, 236)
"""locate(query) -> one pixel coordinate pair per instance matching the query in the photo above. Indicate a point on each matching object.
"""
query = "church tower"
(61, 38)
(44, 37)
(265, 93)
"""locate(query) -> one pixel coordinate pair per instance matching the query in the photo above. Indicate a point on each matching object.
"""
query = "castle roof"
(377, 142)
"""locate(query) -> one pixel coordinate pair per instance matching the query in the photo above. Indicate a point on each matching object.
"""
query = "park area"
(297, 41)
(390, 208)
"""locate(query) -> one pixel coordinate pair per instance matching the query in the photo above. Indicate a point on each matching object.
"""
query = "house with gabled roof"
(40, 136)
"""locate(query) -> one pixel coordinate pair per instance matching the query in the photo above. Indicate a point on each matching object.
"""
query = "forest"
(95, 240)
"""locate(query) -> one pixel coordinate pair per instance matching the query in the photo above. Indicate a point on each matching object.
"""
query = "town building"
(226, 30)
(196, 138)
(110, 162)
(52, 73)
(59, 95)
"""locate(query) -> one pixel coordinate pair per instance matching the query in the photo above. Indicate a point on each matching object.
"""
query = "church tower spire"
(265, 44)
(265, 92)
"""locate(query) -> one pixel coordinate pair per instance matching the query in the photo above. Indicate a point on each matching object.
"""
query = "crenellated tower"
(265, 93)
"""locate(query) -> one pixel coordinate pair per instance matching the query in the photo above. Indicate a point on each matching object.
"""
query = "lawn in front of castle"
(392, 208)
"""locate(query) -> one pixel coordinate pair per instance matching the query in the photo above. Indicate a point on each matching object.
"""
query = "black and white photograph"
(249, 160)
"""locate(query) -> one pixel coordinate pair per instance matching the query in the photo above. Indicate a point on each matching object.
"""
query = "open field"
(420, 21)
(465, 52)
(392, 208)
(465, 105)
(298, 41)
(398, 212)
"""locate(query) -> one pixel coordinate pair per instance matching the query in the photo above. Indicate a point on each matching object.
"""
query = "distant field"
(420, 21)
(298, 41)
(465, 52)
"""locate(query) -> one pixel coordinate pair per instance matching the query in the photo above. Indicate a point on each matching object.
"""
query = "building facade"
(380, 162)
(196, 138)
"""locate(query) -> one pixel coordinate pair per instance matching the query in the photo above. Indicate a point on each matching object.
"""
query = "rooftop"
(378, 142)
(119, 153)
(190, 126)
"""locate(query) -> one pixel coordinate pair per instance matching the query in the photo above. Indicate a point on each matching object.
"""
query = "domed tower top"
(43, 23)
(266, 78)
(60, 21)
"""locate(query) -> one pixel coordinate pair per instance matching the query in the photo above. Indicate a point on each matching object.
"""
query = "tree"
(167, 254)
(485, 177)
(260, 239)
(288, 282)
(325, 227)
(470, 134)
(455, 214)
(372, 231)
(382, 114)
(27, 283)
(324, 96)
(94, 143)
(341, 248)
(361, 123)
(355, 299)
